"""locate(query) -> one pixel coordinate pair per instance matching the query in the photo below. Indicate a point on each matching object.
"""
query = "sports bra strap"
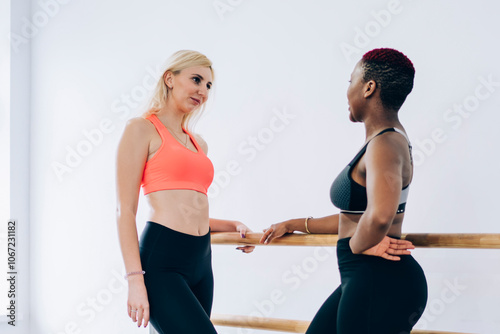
(160, 128)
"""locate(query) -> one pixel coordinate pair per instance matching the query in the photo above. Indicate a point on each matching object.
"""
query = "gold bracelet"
(307, 230)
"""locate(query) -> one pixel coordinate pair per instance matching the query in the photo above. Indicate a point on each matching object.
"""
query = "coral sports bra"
(174, 166)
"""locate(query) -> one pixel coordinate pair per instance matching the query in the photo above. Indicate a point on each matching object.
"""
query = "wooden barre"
(279, 325)
(240, 321)
(434, 240)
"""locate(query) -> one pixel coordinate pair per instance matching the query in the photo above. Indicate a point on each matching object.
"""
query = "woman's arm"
(131, 158)
(384, 173)
(222, 225)
(328, 225)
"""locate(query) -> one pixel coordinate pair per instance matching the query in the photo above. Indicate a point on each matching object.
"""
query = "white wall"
(4, 142)
(91, 61)
(15, 136)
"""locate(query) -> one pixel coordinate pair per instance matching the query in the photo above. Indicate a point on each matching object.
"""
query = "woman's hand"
(138, 304)
(275, 231)
(389, 248)
(243, 229)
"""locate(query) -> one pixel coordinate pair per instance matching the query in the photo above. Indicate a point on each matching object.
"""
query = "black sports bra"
(349, 196)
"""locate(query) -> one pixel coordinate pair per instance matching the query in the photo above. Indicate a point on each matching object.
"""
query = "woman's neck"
(381, 121)
(172, 118)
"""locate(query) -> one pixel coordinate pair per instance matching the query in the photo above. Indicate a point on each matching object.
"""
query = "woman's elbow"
(124, 213)
(381, 219)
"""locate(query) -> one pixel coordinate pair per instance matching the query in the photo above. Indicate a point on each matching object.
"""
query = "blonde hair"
(176, 63)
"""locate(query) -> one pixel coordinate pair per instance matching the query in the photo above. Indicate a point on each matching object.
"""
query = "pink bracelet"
(134, 273)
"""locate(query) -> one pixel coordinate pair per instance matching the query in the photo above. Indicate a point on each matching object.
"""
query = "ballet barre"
(434, 240)
(279, 325)
(430, 240)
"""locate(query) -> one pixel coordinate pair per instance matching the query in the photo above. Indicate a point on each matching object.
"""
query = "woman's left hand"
(243, 229)
(389, 249)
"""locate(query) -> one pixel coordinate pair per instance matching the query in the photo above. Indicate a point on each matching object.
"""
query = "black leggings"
(178, 279)
(376, 296)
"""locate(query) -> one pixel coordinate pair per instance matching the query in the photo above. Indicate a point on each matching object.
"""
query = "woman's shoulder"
(138, 126)
(138, 121)
(391, 136)
(390, 144)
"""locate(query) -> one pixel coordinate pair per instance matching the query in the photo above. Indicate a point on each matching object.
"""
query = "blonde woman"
(169, 269)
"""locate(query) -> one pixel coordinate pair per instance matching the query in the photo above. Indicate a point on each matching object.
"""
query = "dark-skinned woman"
(383, 289)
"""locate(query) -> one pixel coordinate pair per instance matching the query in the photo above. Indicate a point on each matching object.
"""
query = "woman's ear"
(168, 78)
(370, 88)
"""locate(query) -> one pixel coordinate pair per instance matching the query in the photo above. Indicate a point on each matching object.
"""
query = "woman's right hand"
(276, 231)
(390, 249)
(138, 304)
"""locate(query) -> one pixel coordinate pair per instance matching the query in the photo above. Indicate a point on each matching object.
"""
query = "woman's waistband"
(346, 256)
(344, 241)
(160, 238)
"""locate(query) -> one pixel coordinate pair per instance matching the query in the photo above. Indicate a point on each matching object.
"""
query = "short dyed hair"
(392, 71)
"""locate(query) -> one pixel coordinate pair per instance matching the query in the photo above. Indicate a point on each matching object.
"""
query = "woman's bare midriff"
(349, 222)
(181, 210)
